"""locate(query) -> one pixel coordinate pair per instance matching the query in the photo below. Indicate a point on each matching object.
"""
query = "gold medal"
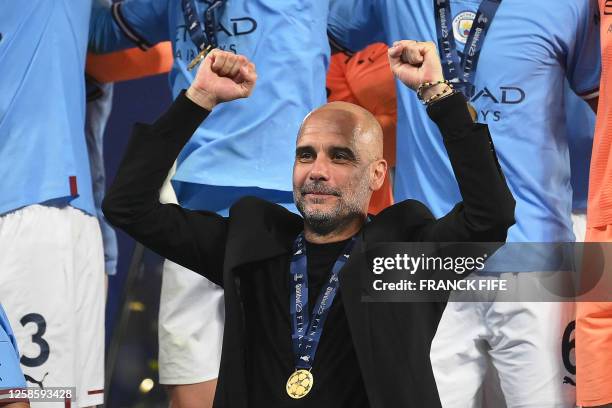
(473, 112)
(199, 58)
(299, 384)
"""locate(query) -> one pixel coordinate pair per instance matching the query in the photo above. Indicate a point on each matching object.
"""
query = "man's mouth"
(318, 191)
(320, 194)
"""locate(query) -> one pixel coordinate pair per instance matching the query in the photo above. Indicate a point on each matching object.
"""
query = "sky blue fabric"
(42, 103)
(530, 50)
(10, 372)
(245, 144)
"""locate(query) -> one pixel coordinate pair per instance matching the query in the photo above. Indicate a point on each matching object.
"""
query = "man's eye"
(340, 156)
(305, 156)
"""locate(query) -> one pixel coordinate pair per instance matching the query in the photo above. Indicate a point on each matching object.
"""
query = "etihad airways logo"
(226, 33)
(506, 95)
(495, 98)
(235, 27)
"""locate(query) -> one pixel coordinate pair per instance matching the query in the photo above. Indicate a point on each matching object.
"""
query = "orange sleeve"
(130, 64)
(337, 84)
(594, 318)
(373, 86)
(599, 210)
(350, 80)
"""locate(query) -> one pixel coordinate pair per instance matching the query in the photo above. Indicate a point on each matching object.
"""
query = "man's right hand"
(222, 77)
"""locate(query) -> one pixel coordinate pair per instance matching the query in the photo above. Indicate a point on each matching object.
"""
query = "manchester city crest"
(462, 24)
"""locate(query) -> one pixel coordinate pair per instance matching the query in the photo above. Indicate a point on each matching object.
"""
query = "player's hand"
(414, 62)
(222, 77)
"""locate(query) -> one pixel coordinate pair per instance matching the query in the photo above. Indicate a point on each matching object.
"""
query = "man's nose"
(319, 170)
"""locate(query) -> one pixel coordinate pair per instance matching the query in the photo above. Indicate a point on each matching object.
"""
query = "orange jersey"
(594, 333)
(365, 79)
(600, 181)
(594, 319)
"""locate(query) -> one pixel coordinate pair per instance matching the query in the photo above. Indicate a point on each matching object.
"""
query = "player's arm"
(583, 59)
(338, 88)
(11, 377)
(354, 24)
(127, 24)
(487, 209)
(194, 239)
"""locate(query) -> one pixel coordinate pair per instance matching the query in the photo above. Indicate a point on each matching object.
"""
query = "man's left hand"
(415, 63)
(222, 77)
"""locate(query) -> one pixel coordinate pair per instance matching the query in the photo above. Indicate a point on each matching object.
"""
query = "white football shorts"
(52, 288)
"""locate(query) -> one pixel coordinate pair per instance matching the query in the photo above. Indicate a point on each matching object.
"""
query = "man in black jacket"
(279, 350)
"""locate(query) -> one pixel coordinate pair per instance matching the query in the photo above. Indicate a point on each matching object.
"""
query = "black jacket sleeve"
(487, 209)
(194, 239)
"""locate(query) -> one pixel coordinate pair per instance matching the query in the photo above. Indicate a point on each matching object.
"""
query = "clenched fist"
(415, 63)
(222, 77)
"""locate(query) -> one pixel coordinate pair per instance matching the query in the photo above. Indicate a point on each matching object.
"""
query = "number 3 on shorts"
(37, 338)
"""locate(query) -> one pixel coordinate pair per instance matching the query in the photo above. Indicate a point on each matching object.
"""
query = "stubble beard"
(347, 209)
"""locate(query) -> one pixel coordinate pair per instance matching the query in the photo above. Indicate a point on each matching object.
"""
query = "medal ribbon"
(202, 37)
(461, 72)
(305, 331)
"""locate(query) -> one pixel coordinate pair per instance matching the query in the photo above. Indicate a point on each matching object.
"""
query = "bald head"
(338, 165)
(359, 126)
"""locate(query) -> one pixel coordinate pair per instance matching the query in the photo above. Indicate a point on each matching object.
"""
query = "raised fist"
(223, 76)
(414, 62)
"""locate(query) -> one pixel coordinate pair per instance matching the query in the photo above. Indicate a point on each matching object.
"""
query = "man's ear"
(378, 171)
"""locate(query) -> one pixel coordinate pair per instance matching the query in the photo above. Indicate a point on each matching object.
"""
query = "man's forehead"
(343, 124)
(332, 122)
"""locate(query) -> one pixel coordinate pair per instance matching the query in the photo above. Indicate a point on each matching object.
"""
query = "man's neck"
(338, 235)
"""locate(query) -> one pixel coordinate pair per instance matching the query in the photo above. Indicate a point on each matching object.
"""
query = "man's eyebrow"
(346, 150)
(304, 149)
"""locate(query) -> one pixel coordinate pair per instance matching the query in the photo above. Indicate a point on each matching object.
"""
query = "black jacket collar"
(261, 230)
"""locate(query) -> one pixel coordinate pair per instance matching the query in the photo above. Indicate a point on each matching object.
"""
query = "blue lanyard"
(462, 72)
(202, 37)
(305, 331)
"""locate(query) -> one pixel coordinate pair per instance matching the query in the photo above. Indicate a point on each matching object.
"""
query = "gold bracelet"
(198, 58)
(427, 85)
(442, 95)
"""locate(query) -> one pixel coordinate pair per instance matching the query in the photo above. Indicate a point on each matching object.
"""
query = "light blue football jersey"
(10, 372)
(531, 48)
(245, 146)
(43, 155)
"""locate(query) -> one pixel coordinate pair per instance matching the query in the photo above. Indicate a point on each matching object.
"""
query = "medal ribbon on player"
(305, 331)
(461, 72)
(204, 37)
